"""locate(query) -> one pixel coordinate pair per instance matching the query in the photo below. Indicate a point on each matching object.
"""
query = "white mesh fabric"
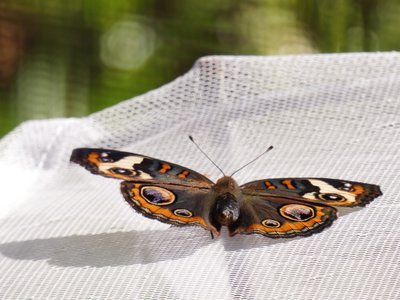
(67, 234)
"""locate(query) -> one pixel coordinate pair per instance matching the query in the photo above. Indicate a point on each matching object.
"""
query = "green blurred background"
(71, 58)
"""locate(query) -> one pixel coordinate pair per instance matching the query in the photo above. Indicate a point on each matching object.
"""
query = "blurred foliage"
(71, 58)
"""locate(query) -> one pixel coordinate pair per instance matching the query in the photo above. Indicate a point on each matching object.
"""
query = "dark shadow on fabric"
(124, 248)
(129, 248)
(109, 249)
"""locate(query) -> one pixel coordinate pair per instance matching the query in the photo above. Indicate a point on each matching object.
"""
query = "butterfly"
(279, 207)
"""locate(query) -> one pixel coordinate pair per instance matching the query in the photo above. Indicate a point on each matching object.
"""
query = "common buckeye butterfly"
(279, 207)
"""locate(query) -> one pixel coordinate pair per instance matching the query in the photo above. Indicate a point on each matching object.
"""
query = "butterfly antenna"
(198, 147)
(250, 162)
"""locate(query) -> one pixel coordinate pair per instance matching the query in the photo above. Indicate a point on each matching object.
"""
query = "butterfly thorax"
(225, 209)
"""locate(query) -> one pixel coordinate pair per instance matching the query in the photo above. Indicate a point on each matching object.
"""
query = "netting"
(67, 234)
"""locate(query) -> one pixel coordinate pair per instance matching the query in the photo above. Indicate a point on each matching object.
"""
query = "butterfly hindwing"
(172, 204)
(281, 217)
(322, 190)
(131, 166)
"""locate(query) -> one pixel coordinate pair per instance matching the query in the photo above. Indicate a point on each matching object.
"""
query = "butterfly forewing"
(322, 190)
(131, 166)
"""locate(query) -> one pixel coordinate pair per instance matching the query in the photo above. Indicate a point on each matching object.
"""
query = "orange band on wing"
(93, 158)
(165, 168)
(288, 183)
(269, 185)
(184, 174)
(358, 189)
(293, 228)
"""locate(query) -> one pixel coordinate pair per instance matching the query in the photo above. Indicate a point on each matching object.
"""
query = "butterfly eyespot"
(331, 197)
(271, 223)
(181, 212)
(104, 157)
(297, 212)
(121, 171)
(157, 195)
(346, 188)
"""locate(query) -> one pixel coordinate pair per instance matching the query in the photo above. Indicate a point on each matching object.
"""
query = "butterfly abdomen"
(225, 210)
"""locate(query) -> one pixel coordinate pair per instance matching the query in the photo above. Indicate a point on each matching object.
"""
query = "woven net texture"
(68, 234)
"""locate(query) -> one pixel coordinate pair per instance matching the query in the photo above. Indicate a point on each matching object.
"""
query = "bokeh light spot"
(127, 45)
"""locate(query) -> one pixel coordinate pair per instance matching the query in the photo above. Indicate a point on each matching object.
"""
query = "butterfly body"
(225, 209)
(279, 207)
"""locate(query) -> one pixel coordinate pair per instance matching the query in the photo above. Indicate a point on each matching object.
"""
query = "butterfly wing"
(319, 190)
(131, 166)
(169, 203)
(276, 216)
